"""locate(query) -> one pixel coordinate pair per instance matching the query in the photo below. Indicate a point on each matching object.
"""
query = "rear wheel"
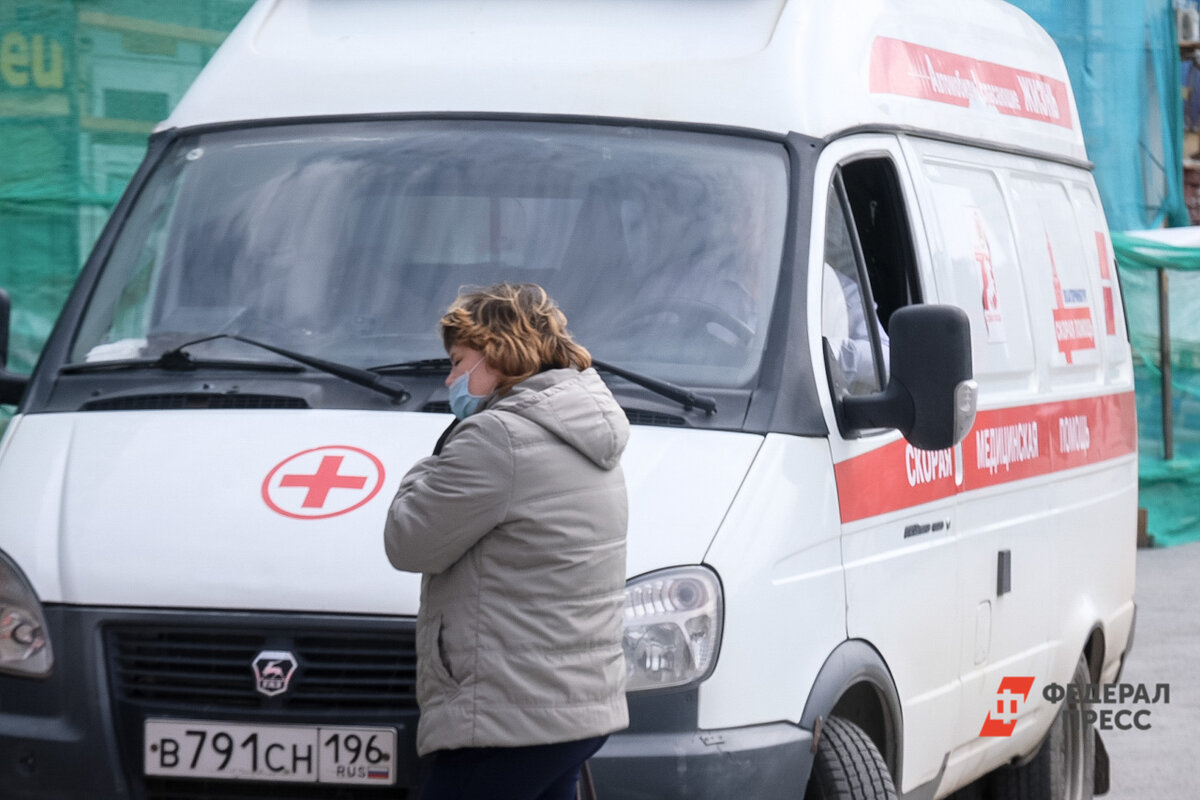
(1063, 767)
(848, 766)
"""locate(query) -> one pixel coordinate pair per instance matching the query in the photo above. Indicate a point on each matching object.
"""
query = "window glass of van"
(869, 269)
(1110, 321)
(846, 319)
(347, 241)
(1063, 298)
(980, 273)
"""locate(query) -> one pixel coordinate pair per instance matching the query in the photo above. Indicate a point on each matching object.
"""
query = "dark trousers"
(540, 772)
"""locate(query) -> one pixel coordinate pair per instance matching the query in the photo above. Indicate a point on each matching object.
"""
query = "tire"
(848, 766)
(1064, 766)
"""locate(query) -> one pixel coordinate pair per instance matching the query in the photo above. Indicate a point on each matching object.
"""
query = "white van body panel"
(1051, 359)
(1050, 356)
(230, 549)
(897, 591)
(779, 558)
(753, 63)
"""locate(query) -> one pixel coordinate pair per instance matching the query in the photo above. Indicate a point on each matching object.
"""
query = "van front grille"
(191, 665)
(208, 669)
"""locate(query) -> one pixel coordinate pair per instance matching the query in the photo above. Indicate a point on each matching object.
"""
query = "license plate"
(295, 753)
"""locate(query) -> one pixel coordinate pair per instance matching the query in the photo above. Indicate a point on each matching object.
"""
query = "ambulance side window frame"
(851, 295)
(866, 193)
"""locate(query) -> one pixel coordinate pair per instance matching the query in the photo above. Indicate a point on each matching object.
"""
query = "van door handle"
(1003, 572)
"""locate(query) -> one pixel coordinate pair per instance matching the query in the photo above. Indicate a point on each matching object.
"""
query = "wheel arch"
(855, 684)
(1094, 651)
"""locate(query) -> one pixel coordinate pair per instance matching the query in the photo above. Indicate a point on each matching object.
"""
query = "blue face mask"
(462, 402)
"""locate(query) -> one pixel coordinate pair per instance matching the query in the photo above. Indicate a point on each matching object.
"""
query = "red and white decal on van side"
(992, 316)
(1073, 328)
(1006, 444)
(1106, 285)
(913, 70)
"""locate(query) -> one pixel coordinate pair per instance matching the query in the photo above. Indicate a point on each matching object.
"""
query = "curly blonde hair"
(517, 327)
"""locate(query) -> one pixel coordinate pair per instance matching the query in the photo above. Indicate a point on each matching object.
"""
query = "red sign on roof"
(913, 70)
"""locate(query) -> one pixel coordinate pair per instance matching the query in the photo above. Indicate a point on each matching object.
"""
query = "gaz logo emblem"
(273, 670)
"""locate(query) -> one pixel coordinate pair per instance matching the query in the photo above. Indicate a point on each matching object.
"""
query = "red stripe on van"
(1006, 444)
(913, 70)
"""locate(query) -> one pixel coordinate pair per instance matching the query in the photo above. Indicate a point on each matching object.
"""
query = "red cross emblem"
(323, 482)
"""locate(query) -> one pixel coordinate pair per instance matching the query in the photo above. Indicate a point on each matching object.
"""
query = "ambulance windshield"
(347, 241)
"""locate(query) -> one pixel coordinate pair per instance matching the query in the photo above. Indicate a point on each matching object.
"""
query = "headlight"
(672, 627)
(24, 643)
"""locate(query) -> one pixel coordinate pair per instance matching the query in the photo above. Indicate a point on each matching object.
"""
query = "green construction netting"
(1123, 59)
(82, 83)
(1170, 487)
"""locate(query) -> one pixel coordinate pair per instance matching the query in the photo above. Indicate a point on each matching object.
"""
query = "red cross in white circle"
(337, 479)
(325, 480)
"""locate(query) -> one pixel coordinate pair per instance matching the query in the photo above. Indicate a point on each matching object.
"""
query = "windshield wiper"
(679, 394)
(420, 366)
(178, 359)
(185, 363)
(689, 399)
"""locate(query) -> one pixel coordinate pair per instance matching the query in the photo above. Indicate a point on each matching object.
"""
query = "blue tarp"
(1123, 59)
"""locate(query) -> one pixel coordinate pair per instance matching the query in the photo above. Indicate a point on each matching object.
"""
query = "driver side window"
(868, 272)
(848, 318)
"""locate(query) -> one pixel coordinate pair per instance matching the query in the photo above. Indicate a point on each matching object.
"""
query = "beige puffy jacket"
(519, 528)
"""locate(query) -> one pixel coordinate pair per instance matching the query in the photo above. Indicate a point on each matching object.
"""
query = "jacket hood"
(576, 407)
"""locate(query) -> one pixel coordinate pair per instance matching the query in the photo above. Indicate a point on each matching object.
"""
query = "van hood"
(284, 511)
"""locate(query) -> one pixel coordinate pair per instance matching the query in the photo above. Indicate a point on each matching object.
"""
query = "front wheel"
(1063, 768)
(848, 766)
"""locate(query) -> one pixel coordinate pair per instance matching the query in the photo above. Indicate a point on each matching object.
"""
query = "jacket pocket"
(436, 665)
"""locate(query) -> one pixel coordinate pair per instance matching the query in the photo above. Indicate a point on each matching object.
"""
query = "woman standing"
(517, 523)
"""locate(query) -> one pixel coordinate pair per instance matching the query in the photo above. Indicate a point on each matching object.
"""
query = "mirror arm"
(12, 385)
(891, 408)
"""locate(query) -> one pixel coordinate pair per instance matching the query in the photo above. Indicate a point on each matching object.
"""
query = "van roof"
(980, 69)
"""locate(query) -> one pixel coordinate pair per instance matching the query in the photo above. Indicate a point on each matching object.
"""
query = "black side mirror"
(11, 386)
(930, 396)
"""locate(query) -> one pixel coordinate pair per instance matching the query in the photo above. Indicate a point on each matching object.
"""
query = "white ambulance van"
(843, 264)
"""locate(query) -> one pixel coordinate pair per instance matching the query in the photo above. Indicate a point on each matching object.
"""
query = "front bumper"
(77, 735)
(56, 733)
(764, 761)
